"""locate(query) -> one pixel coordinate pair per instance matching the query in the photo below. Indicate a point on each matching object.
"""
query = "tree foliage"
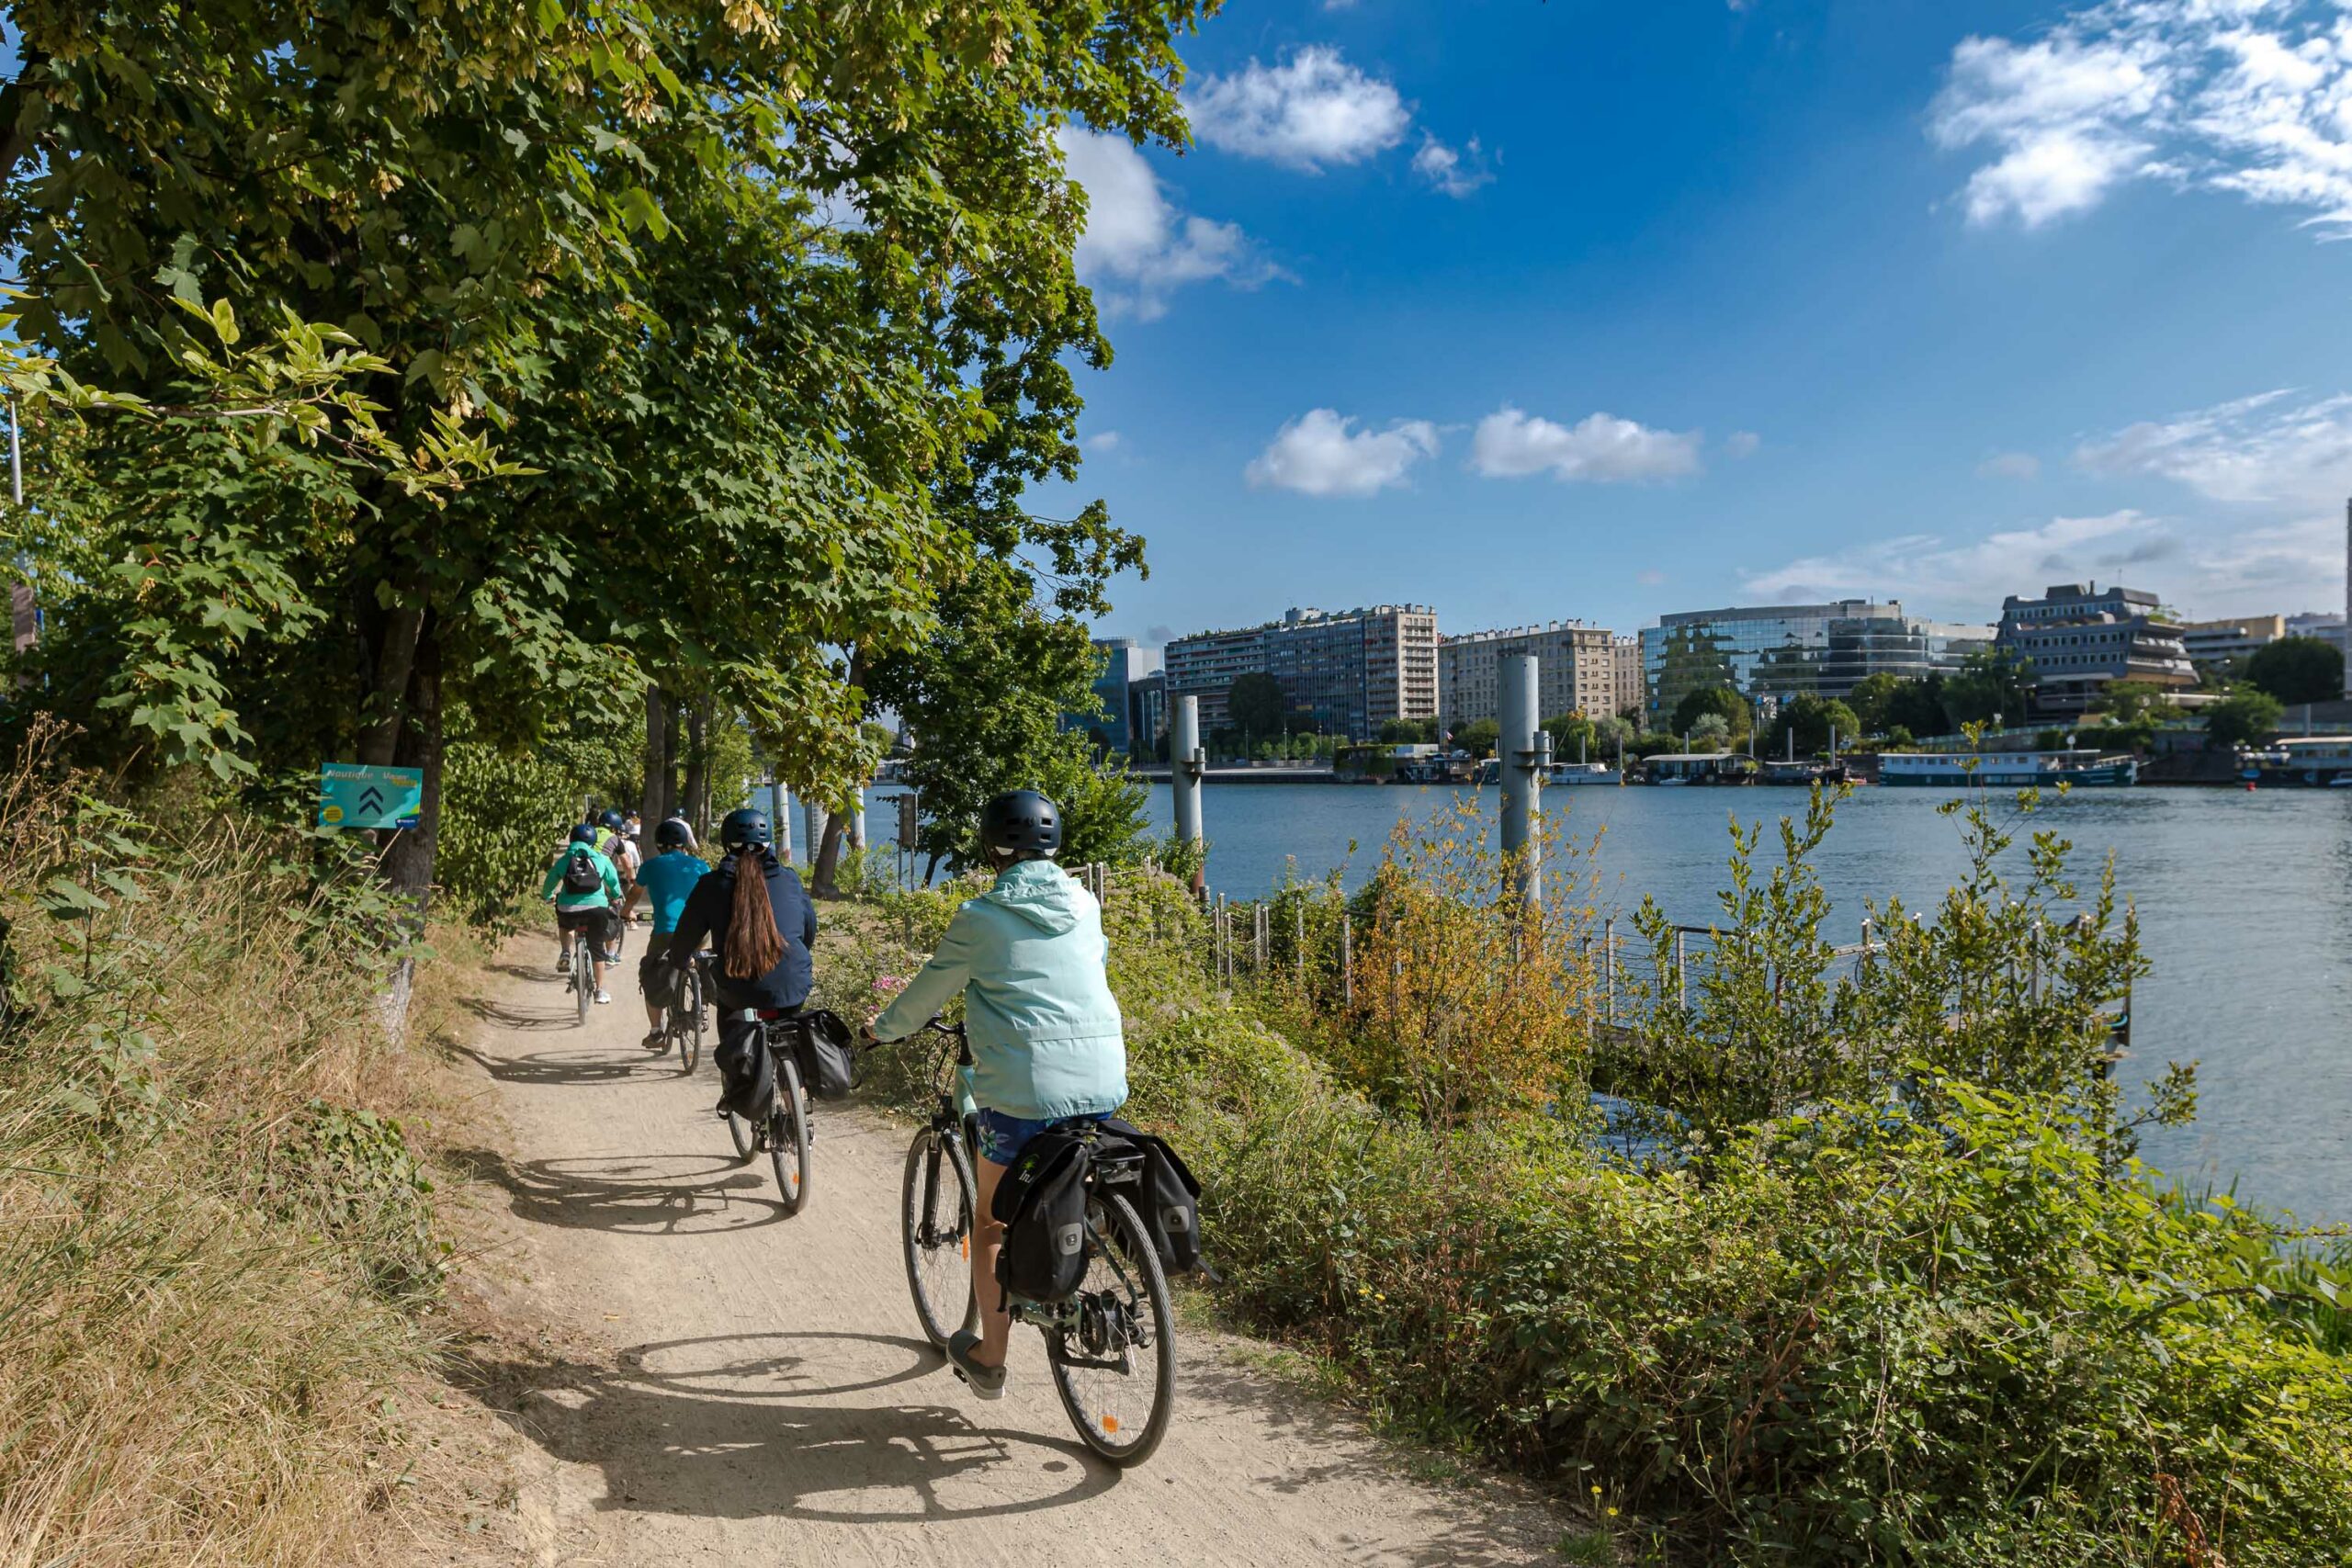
(2245, 719)
(1255, 706)
(2297, 670)
(1722, 701)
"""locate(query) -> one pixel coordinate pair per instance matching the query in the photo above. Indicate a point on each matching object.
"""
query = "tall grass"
(209, 1251)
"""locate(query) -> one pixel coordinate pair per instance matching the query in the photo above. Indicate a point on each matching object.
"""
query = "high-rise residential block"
(1577, 671)
(1351, 670)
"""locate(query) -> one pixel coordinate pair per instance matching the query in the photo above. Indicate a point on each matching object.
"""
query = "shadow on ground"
(633, 1194)
(735, 1429)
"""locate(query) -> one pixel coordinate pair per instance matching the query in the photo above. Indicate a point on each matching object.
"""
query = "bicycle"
(580, 975)
(682, 1016)
(783, 1134)
(1120, 1312)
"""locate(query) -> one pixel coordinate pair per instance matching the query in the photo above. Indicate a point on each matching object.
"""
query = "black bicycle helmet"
(674, 834)
(583, 833)
(746, 829)
(609, 819)
(1022, 822)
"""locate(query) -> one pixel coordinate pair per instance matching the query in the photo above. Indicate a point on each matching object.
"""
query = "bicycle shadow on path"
(629, 1194)
(700, 1428)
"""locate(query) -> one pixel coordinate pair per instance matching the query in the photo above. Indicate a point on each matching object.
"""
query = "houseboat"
(2007, 770)
(1580, 773)
(2316, 761)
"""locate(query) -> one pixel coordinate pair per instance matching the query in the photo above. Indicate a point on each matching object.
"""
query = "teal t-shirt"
(668, 877)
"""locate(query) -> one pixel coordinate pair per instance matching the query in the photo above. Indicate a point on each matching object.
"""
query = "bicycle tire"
(937, 1270)
(689, 1037)
(584, 978)
(1083, 1389)
(789, 1135)
(747, 1143)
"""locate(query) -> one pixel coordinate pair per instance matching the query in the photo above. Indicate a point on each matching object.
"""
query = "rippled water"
(2245, 901)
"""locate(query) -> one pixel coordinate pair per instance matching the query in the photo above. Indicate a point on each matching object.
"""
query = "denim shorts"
(1003, 1137)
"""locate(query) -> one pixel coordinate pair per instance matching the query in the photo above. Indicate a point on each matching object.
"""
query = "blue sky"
(1581, 309)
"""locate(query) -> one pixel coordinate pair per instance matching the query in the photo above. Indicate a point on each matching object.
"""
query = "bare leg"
(988, 1238)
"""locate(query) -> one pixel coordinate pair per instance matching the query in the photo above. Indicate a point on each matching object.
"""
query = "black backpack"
(1170, 1201)
(825, 1052)
(580, 875)
(1040, 1202)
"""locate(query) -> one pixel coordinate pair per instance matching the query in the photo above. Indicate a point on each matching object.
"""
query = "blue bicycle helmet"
(746, 829)
(584, 833)
(609, 819)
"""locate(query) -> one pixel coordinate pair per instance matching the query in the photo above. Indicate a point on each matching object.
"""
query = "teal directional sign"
(353, 794)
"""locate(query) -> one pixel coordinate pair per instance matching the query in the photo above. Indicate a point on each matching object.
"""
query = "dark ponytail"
(753, 944)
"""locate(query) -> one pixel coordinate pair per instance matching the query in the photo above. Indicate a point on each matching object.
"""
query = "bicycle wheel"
(1114, 1356)
(789, 1135)
(689, 1035)
(747, 1143)
(935, 1226)
(584, 976)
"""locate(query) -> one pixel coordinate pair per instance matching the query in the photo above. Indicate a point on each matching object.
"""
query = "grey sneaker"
(985, 1381)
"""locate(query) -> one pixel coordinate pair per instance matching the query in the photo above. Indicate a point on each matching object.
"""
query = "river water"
(2245, 902)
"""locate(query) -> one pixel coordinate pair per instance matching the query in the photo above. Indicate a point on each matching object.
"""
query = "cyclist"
(1044, 1031)
(761, 925)
(584, 888)
(665, 880)
(613, 839)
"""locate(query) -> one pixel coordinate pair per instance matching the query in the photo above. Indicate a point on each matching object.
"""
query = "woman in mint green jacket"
(1028, 955)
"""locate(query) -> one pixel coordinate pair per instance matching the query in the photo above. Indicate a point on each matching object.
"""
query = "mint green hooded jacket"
(1029, 956)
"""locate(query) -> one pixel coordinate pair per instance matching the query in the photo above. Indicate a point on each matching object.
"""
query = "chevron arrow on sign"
(371, 800)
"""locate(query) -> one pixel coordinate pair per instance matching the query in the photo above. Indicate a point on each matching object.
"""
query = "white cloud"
(1742, 444)
(1310, 112)
(1600, 448)
(1454, 173)
(2269, 450)
(1322, 453)
(1104, 443)
(1650, 577)
(1970, 579)
(1138, 247)
(2252, 96)
(2009, 466)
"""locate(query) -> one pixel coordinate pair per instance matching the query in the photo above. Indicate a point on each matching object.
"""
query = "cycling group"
(1040, 1065)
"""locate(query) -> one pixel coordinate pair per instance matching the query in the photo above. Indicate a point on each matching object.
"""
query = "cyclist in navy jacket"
(761, 927)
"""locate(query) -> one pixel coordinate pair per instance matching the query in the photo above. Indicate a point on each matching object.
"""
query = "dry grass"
(211, 1274)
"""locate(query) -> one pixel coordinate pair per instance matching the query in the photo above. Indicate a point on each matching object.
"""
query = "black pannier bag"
(1171, 1201)
(826, 1053)
(1040, 1202)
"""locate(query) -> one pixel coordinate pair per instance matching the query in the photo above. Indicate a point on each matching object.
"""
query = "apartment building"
(1575, 671)
(1625, 657)
(2080, 636)
(2225, 643)
(1353, 669)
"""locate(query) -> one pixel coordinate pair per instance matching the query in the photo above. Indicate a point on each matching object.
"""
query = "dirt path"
(717, 1383)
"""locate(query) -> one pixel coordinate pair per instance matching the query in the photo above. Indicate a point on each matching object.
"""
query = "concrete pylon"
(1526, 751)
(1186, 764)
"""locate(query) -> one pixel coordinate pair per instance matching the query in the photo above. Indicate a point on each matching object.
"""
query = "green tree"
(2244, 720)
(1916, 707)
(1809, 720)
(1407, 731)
(1711, 733)
(1869, 699)
(1479, 737)
(1256, 705)
(851, 410)
(1719, 700)
(2130, 702)
(1993, 685)
(2297, 670)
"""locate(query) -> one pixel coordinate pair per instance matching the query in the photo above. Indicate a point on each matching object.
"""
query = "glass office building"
(1771, 652)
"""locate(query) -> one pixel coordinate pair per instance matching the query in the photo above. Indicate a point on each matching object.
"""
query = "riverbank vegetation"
(1880, 1281)
(217, 1245)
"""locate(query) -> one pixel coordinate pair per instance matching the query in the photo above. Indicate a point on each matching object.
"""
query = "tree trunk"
(407, 863)
(655, 803)
(395, 660)
(828, 857)
(673, 802)
(697, 773)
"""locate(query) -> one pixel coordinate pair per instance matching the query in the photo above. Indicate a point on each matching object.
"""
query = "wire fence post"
(1609, 964)
(1681, 972)
(1298, 939)
(1347, 961)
